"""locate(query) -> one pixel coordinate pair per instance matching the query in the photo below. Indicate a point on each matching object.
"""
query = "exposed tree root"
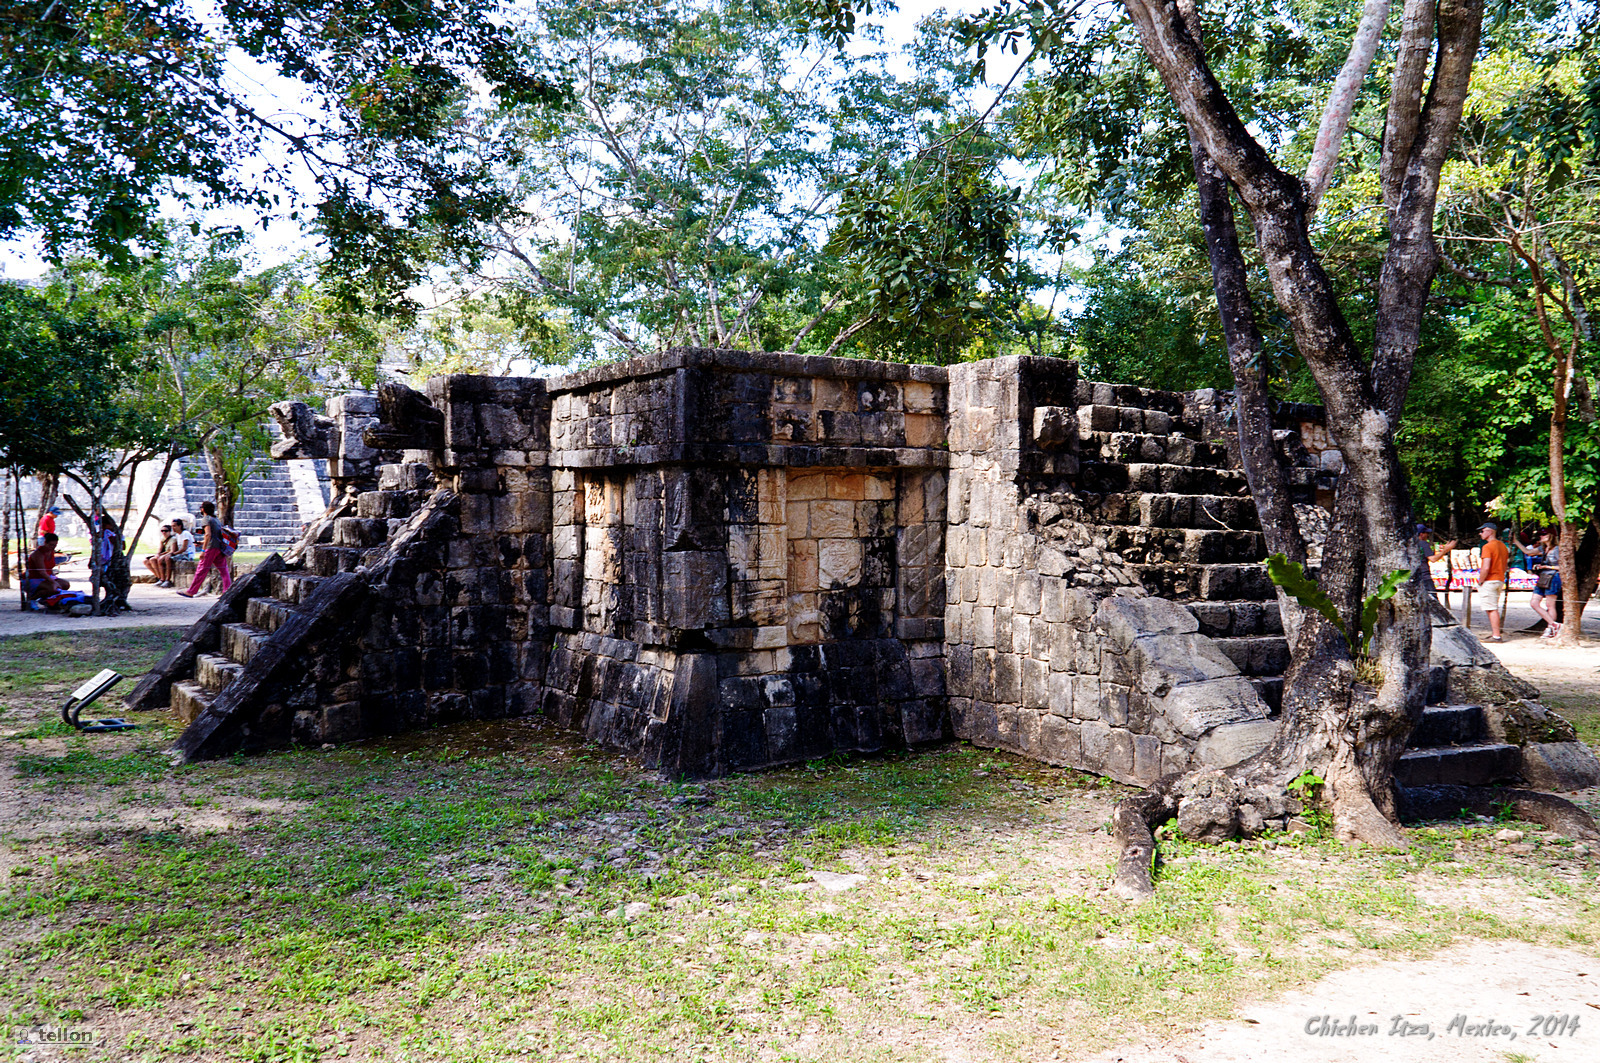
(1131, 824)
(1210, 806)
(1547, 810)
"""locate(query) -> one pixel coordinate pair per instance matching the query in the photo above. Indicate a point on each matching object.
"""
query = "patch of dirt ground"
(1482, 1000)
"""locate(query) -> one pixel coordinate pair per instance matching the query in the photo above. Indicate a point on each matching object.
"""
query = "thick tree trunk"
(222, 490)
(1265, 468)
(1357, 734)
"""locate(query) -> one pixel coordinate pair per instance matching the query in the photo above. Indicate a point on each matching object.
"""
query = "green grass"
(463, 895)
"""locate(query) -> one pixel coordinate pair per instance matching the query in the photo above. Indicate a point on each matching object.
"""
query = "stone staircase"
(356, 540)
(1176, 507)
(266, 510)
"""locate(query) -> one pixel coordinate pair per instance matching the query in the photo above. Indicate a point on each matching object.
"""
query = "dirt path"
(1476, 1001)
(152, 607)
(1504, 984)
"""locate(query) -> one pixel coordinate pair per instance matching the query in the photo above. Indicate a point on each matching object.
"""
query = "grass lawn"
(502, 892)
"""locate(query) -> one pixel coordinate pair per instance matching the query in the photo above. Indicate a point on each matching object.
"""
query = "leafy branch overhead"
(113, 107)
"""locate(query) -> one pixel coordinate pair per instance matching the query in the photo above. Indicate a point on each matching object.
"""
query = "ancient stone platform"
(720, 561)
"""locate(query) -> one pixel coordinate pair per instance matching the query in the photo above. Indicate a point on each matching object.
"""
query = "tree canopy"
(109, 108)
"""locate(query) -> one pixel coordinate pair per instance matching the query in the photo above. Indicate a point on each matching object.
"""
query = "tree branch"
(1342, 100)
(1405, 96)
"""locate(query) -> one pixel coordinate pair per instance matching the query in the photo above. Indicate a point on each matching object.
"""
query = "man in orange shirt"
(1492, 576)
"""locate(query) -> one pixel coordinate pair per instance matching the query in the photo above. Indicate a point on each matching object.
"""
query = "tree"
(109, 107)
(200, 348)
(719, 180)
(1345, 719)
(1521, 216)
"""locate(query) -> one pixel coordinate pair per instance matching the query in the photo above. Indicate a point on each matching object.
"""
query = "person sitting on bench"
(39, 578)
(160, 562)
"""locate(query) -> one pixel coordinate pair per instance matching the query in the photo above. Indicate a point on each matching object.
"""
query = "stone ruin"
(717, 561)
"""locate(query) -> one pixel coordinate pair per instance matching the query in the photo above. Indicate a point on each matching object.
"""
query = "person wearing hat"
(1492, 564)
(47, 523)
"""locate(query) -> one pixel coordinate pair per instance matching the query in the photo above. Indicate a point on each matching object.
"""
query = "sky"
(281, 239)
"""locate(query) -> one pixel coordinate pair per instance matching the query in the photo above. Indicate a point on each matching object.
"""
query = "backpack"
(230, 541)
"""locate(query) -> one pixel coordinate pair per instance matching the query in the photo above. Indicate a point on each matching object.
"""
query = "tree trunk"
(1265, 468)
(222, 489)
(1357, 734)
(155, 496)
(5, 531)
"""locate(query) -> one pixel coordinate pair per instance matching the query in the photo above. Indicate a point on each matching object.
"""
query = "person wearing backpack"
(216, 554)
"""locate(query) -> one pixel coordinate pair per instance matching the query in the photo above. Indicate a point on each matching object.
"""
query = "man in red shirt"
(47, 524)
(1492, 576)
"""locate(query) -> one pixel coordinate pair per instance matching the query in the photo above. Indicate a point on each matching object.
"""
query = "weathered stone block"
(695, 585)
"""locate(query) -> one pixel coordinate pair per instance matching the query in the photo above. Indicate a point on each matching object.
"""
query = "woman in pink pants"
(213, 557)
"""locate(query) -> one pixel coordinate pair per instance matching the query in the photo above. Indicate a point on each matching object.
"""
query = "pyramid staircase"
(266, 509)
(1157, 480)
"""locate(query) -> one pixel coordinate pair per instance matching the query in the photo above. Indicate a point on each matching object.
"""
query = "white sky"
(283, 239)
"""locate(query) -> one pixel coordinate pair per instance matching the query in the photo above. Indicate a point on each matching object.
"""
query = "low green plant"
(1291, 576)
(1307, 788)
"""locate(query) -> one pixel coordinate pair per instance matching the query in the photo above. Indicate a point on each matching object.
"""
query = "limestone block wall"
(748, 557)
(1054, 648)
(719, 561)
(451, 618)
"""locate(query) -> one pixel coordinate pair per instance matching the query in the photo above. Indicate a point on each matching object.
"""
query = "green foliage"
(720, 180)
(1306, 786)
(930, 243)
(111, 107)
(1302, 588)
(1291, 576)
(1138, 328)
(1369, 605)
(62, 372)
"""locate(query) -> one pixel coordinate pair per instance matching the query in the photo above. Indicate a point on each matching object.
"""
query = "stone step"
(1476, 765)
(1225, 512)
(240, 641)
(268, 614)
(1152, 510)
(189, 699)
(328, 560)
(214, 672)
(1237, 619)
(1174, 545)
(1270, 688)
(1156, 478)
(1101, 393)
(360, 531)
(1211, 583)
(294, 587)
(1095, 418)
(1263, 655)
(1157, 449)
(1449, 725)
(385, 504)
(405, 476)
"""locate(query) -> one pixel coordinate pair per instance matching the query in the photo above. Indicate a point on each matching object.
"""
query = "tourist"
(209, 528)
(39, 578)
(1546, 567)
(1425, 540)
(1492, 565)
(160, 562)
(47, 524)
(182, 541)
